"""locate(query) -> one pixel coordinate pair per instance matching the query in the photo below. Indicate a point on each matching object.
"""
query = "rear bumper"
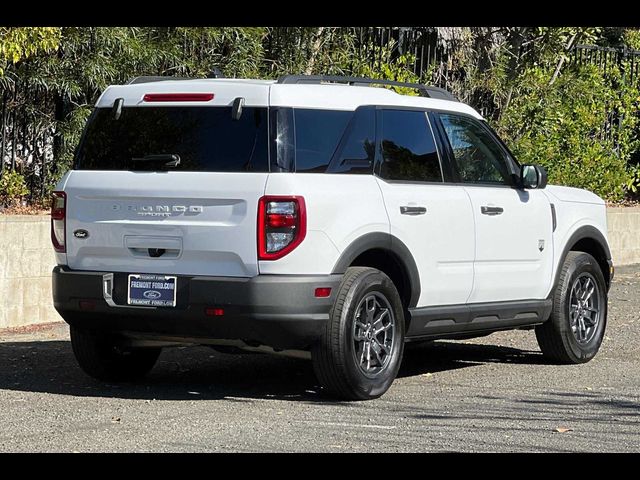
(280, 311)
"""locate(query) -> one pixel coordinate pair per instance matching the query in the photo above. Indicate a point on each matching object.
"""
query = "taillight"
(58, 220)
(282, 225)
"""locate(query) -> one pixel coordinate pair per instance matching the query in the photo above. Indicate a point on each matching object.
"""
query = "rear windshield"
(204, 138)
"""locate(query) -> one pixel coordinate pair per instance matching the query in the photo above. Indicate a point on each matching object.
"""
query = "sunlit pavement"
(488, 394)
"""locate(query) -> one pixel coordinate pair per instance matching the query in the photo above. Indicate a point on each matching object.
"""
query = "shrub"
(12, 188)
(568, 128)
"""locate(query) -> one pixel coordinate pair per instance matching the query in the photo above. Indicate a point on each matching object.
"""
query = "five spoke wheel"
(584, 308)
(373, 333)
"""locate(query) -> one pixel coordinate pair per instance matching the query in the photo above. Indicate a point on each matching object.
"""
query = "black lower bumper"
(280, 311)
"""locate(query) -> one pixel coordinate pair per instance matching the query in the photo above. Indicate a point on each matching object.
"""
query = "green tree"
(18, 43)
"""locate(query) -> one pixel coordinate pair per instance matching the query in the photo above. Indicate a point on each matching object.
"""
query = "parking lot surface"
(492, 394)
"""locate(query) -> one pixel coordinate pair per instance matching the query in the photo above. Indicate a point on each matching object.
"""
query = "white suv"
(319, 215)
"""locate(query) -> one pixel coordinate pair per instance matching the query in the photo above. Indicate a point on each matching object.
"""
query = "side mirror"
(533, 176)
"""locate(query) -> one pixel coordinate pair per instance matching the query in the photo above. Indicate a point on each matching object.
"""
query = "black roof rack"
(425, 91)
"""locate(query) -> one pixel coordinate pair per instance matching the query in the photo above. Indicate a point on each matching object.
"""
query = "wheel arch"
(587, 239)
(390, 255)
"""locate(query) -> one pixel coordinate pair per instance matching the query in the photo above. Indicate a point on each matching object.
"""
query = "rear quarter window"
(306, 139)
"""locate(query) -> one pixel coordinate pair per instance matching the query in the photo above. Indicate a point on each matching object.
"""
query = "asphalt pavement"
(493, 394)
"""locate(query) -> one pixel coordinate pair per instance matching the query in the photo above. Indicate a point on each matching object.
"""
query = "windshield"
(204, 138)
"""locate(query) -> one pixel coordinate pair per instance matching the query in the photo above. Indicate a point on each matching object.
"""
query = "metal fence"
(26, 141)
(606, 58)
(627, 62)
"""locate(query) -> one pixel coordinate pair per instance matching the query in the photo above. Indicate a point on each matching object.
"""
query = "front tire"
(101, 357)
(574, 332)
(360, 351)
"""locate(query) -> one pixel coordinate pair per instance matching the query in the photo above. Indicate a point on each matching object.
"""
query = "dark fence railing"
(26, 134)
(627, 62)
(606, 58)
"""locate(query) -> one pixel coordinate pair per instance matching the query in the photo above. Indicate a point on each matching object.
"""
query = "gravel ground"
(493, 394)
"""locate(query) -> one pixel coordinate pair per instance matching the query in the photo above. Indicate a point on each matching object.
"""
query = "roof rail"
(425, 91)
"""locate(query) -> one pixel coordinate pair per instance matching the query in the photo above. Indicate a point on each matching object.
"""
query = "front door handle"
(407, 210)
(486, 210)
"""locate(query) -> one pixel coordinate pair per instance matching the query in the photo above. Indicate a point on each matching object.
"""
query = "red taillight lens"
(281, 220)
(177, 97)
(282, 225)
(58, 221)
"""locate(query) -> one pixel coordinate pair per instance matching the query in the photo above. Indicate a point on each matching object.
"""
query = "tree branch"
(563, 57)
(315, 49)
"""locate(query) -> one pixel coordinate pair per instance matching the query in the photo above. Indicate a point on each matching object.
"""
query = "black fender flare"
(592, 233)
(389, 243)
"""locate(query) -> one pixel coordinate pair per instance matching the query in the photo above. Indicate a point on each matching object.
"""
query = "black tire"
(100, 356)
(556, 336)
(341, 374)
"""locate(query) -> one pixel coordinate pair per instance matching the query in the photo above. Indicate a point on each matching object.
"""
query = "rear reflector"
(87, 304)
(177, 97)
(214, 312)
(323, 292)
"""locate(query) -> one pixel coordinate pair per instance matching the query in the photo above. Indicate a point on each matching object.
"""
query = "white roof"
(267, 92)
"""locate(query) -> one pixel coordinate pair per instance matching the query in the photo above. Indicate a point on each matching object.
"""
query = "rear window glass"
(204, 138)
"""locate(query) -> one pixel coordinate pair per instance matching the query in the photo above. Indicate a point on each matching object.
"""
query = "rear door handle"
(486, 210)
(407, 210)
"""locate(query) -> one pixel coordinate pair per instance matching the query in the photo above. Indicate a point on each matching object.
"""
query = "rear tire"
(101, 357)
(360, 351)
(574, 332)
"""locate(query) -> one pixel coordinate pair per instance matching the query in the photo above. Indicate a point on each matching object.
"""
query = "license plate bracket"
(148, 290)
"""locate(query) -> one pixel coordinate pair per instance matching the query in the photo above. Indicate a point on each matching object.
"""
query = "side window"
(317, 134)
(357, 150)
(408, 149)
(479, 159)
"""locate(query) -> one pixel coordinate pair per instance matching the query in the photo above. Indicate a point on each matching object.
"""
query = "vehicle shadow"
(438, 356)
(193, 373)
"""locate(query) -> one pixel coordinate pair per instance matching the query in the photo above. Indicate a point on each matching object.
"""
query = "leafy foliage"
(12, 188)
(631, 38)
(17, 43)
(567, 128)
(384, 67)
(576, 120)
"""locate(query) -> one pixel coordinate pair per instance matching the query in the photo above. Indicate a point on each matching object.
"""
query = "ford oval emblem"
(152, 294)
(81, 234)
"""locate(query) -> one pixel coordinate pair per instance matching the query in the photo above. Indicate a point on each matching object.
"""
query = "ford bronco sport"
(319, 216)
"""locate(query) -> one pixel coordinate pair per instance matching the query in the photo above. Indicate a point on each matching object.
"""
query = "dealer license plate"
(152, 290)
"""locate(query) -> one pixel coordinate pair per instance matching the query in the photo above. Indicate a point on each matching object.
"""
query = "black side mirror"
(533, 176)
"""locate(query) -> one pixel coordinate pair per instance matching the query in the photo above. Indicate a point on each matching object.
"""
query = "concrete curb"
(33, 328)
